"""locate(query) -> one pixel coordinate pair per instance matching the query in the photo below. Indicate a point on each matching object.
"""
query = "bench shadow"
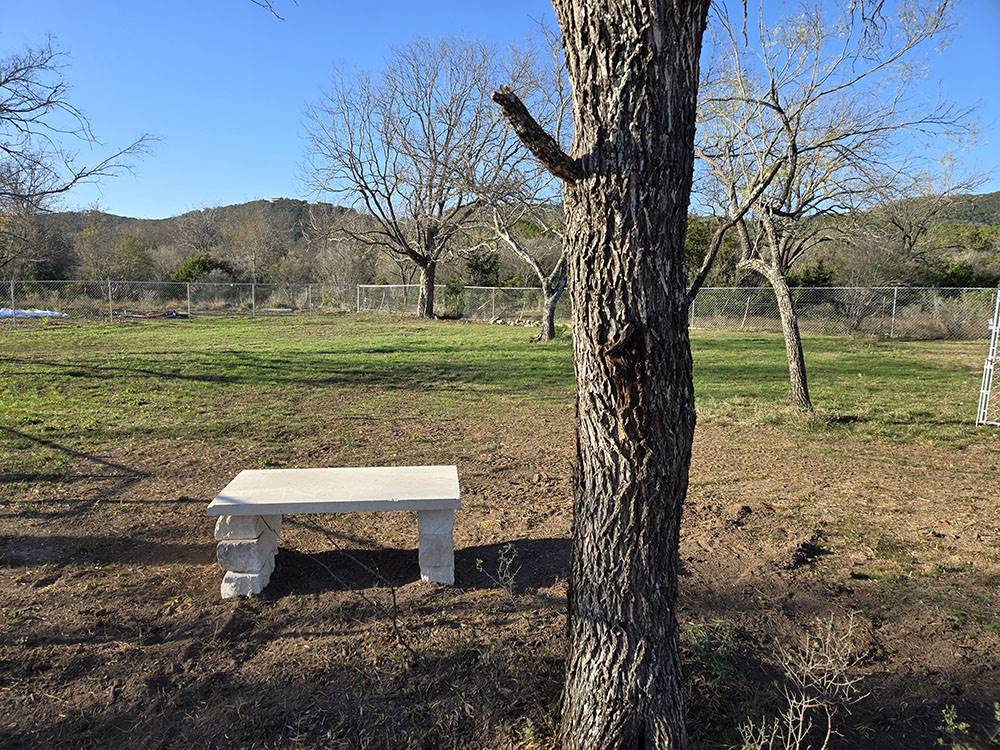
(540, 563)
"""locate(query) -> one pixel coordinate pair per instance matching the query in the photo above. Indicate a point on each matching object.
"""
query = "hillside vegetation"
(289, 240)
(935, 241)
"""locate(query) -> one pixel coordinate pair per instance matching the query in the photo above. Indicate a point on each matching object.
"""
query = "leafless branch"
(270, 7)
(823, 679)
(545, 148)
(39, 125)
(414, 148)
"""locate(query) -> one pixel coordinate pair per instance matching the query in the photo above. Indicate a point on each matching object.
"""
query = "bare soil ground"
(112, 633)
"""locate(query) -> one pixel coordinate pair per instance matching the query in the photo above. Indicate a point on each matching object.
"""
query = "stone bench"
(250, 509)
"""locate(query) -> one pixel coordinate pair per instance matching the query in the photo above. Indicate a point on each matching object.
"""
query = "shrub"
(821, 681)
(198, 265)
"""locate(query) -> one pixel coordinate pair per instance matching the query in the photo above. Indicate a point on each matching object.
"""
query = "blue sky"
(223, 85)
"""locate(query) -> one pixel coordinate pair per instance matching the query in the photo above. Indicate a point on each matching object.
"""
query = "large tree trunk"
(425, 302)
(634, 70)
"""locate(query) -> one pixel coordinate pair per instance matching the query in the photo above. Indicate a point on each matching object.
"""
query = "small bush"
(506, 571)
(821, 680)
(453, 301)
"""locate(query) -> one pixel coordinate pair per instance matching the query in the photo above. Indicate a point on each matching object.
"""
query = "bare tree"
(805, 120)
(533, 234)
(337, 255)
(201, 231)
(413, 149)
(525, 216)
(38, 122)
(634, 73)
(253, 243)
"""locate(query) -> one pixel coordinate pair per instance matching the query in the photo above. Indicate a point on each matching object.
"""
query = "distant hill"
(973, 209)
(284, 214)
(290, 214)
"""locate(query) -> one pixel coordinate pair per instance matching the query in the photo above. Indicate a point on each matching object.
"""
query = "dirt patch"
(112, 632)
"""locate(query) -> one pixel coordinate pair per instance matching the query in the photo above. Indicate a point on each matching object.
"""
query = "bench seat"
(250, 508)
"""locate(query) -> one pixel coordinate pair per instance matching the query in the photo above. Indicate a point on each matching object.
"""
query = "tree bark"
(425, 302)
(548, 329)
(797, 381)
(552, 289)
(634, 71)
(798, 385)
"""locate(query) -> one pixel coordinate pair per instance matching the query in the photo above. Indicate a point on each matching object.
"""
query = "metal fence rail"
(887, 312)
(989, 410)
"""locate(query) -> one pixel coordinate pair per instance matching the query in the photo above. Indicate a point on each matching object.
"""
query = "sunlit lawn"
(91, 387)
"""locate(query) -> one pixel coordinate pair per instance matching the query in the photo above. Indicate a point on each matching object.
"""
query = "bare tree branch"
(544, 147)
(38, 124)
(270, 7)
(414, 149)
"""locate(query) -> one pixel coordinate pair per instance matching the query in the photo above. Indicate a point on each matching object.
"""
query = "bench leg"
(246, 550)
(437, 550)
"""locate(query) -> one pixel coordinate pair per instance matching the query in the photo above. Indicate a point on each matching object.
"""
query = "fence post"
(359, 298)
(493, 304)
(691, 322)
(892, 324)
(13, 307)
(111, 309)
(253, 299)
(189, 299)
(309, 297)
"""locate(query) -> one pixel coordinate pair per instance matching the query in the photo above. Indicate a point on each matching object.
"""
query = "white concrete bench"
(251, 506)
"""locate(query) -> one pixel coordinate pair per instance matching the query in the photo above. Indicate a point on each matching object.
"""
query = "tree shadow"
(41, 509)
(202, 690)
(121, 476)
(18, 551)
(541, 563)
(427, 364)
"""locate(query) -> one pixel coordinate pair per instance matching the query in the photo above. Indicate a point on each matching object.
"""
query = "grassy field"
(94, 386)
(113, 436)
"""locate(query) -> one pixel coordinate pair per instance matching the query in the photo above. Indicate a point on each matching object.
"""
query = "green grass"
(895, 391)
(225, 381)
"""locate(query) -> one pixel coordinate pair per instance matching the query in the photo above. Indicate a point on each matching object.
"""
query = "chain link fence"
(118, 300)
(469, 302)
(886, 312)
